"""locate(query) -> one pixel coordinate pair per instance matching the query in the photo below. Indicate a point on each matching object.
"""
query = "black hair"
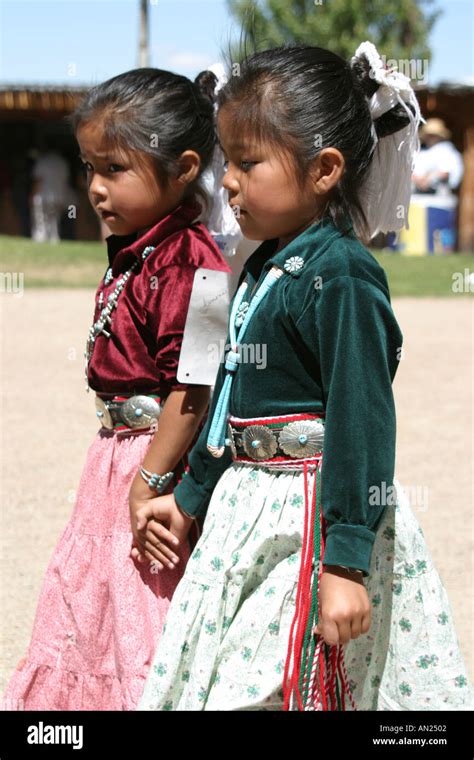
(155, 112)
(206, 81)
(296, 96)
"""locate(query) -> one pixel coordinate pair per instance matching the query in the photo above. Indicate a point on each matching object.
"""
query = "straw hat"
(435, 127)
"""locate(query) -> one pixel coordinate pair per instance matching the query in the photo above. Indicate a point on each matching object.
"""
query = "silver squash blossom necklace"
(105, 319)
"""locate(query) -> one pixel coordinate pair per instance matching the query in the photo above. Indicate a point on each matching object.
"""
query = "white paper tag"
(206, 327)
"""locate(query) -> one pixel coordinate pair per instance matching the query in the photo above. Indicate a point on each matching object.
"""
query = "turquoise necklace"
(105, 316)
(240, 316)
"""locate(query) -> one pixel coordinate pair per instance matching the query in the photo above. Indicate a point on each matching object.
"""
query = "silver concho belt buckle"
(139, 412)
(298, 440)
(103, 413)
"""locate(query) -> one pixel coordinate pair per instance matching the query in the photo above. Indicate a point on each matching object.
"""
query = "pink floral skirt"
(100, 614)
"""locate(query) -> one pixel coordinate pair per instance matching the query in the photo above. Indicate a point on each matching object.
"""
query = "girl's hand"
(160, 525)
(141, 499)
(345, 607)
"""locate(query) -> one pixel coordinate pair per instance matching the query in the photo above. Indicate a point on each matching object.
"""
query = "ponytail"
(395, 114)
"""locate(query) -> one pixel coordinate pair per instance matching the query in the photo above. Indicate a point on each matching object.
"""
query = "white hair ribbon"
(385, 194)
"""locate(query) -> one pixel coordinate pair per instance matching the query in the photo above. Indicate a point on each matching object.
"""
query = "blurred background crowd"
(43, 192)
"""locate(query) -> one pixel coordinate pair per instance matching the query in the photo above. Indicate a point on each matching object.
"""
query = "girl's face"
(267, 201)
(125, 194)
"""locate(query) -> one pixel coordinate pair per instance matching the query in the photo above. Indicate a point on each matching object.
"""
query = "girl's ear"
(327, 170)
(189, 164)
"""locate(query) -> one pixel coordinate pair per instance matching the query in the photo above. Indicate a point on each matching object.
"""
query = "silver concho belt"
(136, 412)
(287, 437)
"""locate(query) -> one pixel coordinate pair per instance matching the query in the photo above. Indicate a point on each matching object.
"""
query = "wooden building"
(28, 115)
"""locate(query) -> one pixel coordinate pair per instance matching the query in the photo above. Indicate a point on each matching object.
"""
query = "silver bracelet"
(156, 482)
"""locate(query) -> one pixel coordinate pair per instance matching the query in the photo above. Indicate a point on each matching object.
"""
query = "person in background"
(439, 167)
(22, 167)
(49, 193)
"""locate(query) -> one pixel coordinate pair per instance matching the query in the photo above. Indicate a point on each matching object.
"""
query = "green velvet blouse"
(332, 344)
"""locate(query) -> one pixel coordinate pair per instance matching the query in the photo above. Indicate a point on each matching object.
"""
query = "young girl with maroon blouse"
(145, 138)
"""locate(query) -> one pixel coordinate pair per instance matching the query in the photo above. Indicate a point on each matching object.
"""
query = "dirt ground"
(48, 421)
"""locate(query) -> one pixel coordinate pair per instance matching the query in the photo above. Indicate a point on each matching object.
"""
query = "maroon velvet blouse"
(142, 353)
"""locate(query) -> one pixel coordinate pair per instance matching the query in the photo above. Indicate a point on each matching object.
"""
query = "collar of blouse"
(291, 259)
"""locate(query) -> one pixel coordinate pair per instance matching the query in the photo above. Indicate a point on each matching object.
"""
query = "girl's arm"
(349, 327)
(359, 343)
(178, 422)
(167, 308)
(353, 333)
(189, 499)
(193, 494)
(177, 425)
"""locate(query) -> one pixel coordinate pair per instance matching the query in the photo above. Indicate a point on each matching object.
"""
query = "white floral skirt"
(225, 639)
